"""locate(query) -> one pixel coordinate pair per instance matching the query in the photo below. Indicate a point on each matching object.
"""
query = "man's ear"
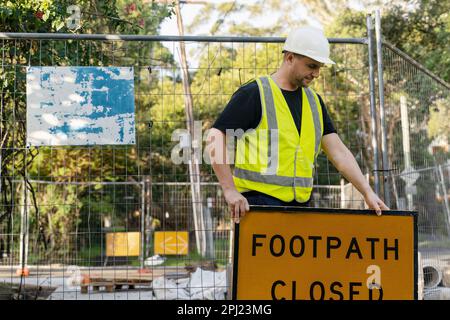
(289, 57)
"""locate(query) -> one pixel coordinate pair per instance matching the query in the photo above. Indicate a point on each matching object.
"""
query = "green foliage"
(66, 209)
(30, 16)
(436, 126)
(99, 16)
(60, 210)
(422, 31)
(59, 213)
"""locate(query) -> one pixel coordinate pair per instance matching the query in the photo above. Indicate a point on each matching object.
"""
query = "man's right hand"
(237, 203)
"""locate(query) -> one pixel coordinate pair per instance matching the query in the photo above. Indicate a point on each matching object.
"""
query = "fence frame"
(373, 52)
(379, 43)
(232, 39)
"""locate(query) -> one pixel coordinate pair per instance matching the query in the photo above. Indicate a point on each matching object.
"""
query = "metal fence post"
(384, 151)
(142, 229)
(445, 196)
(372, 103)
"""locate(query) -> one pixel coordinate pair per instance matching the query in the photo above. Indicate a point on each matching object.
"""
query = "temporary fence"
(83, 218)
(417, 105)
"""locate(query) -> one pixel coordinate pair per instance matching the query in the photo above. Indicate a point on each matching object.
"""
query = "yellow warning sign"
(123, 244)
(325, 254)
(171, 242)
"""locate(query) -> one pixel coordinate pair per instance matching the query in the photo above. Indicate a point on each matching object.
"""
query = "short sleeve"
(243, 111)
(328, 126)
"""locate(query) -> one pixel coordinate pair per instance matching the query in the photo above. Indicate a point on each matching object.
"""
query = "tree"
(52, 220)
(420, 28)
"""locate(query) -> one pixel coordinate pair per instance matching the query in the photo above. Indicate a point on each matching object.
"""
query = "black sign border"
(323, 210)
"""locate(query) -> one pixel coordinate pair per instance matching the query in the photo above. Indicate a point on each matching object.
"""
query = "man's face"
(303, 69)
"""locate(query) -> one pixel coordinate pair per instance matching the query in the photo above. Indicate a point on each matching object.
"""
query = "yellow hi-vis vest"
(273, 158)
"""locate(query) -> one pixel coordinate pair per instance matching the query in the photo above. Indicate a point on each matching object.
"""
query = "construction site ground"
(58, 282)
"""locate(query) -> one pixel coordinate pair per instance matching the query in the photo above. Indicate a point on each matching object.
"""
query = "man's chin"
(306, 83)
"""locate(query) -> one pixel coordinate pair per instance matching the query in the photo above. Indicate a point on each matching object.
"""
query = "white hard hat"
(310, 42)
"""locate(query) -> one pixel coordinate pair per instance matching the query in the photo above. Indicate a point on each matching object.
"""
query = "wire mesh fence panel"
(417, 105)
(144, 220)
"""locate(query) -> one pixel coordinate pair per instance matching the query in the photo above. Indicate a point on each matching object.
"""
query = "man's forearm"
(217, 152)
(223, 173)
(346, 164)
(350, 169)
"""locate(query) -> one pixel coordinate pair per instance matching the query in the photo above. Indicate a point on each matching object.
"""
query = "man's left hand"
(375, 203)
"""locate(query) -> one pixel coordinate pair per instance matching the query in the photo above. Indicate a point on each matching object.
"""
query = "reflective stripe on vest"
(273, 179)
(268, 175)
(315, 112)
(272, 148)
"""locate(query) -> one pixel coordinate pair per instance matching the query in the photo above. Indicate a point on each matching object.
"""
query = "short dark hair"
(295, 54)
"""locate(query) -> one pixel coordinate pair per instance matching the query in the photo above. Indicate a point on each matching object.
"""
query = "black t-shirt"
(243, 111)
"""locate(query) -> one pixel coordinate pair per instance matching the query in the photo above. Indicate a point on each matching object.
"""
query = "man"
(284, 125)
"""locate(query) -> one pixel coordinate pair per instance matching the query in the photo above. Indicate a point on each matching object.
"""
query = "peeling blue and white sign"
(80, 106)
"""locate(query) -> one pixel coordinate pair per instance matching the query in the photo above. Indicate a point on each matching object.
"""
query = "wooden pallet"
(112, 280)
(111, 285)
